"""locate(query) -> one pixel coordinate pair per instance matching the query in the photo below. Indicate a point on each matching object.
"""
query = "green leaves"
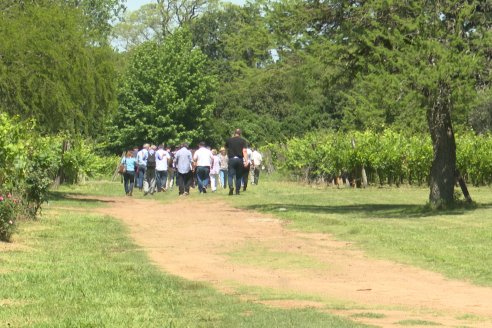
(167, 94)
(51, 71)
(388, 156)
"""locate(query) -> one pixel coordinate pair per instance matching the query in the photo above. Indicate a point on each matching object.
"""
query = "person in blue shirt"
(130, 163)
(183, 161)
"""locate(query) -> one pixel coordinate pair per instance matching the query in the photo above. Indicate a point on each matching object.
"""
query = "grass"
(75, 269)
(371, 315)
(82, 270)
(412, 322)
(392, 223)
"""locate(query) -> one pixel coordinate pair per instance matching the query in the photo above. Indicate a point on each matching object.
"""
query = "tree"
(154, 21)
(51, 71)
(433, 51)
(166, 95)
(99, 15)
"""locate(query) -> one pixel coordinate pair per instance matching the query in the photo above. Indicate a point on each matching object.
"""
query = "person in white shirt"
(161, 165)
(142, 165)
(214, 171)
(257, 161)
(203, 159)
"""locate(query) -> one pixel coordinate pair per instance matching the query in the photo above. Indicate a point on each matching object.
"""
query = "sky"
(135, 4)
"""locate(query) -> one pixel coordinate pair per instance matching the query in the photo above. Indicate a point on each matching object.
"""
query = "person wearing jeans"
(142, 165)
(224, 165)
(149, 185)
(161, 166)
(238, 159)
(203, 159)
(183, 163)
(129, 175)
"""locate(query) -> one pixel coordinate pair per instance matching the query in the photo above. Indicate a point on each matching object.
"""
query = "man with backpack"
(149, 181)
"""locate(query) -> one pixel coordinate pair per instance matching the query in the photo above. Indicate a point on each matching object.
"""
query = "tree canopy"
(167, 94)
(51, 70)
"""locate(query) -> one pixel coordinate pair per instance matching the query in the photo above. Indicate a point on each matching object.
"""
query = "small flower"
(1, 198)
(10, 222)
(9, 195)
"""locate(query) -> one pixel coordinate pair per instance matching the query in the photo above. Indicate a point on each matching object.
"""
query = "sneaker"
(231, 192)
(186, 193)
(204, 190)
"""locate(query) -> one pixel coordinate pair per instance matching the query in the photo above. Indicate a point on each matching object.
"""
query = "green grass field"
(73, 269)
(391, 223)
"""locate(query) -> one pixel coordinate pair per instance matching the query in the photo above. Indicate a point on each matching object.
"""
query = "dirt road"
(231, 249)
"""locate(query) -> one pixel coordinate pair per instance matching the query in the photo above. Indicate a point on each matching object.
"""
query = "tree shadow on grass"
(71, 198)
(370, 211)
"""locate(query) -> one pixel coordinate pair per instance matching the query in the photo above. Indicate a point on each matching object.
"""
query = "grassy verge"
(82, 270)
(391, 223)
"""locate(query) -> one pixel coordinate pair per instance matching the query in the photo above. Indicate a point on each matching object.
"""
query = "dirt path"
(230, 248)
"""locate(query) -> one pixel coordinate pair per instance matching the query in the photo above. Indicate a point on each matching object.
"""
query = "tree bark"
(442, 175)
(60, 177)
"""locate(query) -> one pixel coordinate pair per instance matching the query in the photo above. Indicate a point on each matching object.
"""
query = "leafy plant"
(9, 211)
(387, 157)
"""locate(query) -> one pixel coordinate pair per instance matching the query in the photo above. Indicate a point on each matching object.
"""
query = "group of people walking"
(156, 169)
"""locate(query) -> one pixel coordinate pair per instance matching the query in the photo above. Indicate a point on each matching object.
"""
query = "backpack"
(151, 161)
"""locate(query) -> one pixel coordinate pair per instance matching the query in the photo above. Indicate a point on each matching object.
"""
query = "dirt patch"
(192, 239)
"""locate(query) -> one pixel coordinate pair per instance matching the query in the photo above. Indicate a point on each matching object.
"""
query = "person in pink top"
(214, 171)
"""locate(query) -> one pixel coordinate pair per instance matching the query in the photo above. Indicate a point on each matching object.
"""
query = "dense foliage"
(29, 164)
(167, 95)
(53, 70)
(388, 157)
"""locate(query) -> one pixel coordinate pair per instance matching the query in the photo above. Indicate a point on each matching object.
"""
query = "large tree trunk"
(442, 175)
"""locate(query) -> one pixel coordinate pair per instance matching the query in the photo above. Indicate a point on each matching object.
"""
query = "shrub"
(9, 212)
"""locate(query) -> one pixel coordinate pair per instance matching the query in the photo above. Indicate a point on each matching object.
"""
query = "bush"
(9, 212)
(80, 161)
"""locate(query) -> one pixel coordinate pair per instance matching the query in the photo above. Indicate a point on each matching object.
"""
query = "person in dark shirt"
(236, 151)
